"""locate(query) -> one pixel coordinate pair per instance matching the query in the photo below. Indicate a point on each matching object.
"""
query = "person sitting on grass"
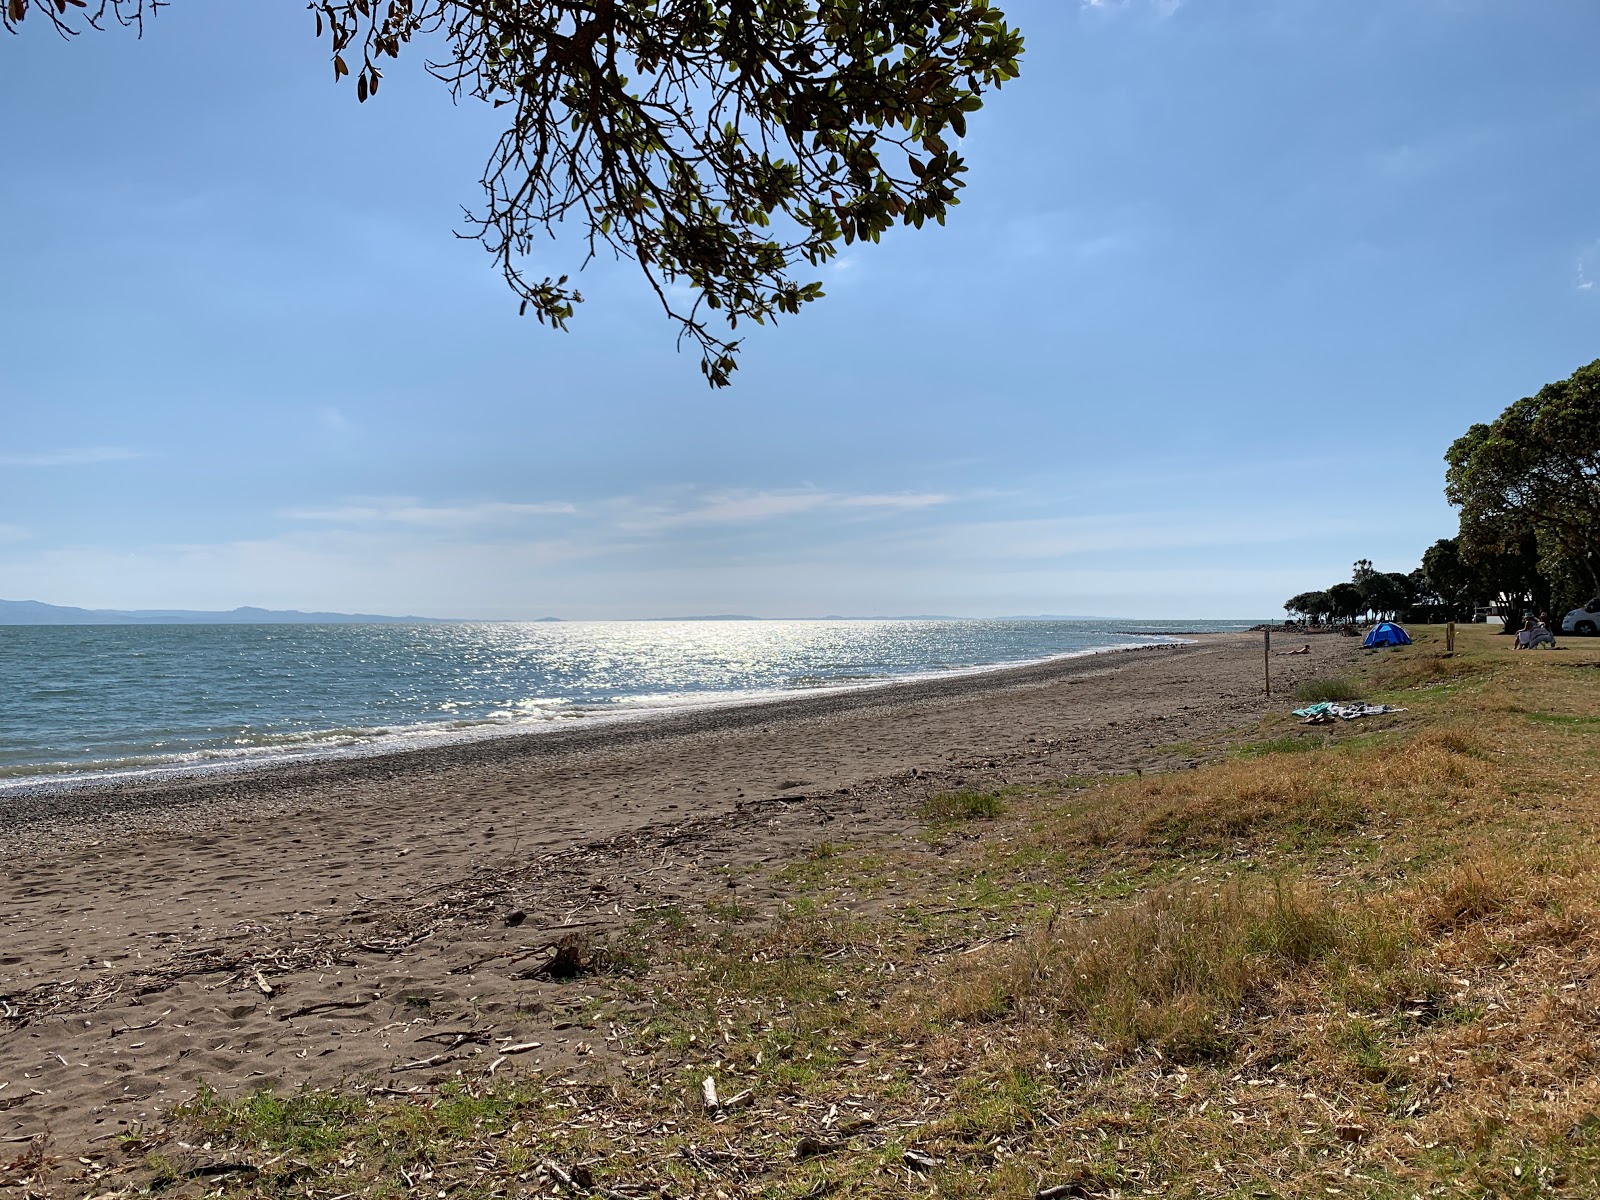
(1532, 634)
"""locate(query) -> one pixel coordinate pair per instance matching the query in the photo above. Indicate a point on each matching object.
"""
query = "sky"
(1228, 278)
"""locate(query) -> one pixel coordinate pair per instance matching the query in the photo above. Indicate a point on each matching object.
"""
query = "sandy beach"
(346, 921)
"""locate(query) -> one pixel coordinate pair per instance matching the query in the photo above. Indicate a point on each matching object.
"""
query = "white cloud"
(745, 506)
(411, 511)
(1069, 237)
(619, 519)
(13, 533)
(1063, 538)
(1162, 8)
(1587, 267)
(79, 456)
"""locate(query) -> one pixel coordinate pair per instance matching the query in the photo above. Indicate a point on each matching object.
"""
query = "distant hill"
(32, 612)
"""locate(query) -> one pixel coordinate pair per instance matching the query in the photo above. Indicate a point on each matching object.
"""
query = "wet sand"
(345, 921)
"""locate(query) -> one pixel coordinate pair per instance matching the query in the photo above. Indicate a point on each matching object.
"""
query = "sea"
(95, 703)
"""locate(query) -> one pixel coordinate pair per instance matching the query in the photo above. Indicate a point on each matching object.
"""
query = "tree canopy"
(1535, 472)
(722, 145)
(1528, 488)
(1314, 605)
(1449, 577)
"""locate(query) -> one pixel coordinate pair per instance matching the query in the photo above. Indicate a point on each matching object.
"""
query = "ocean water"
(79, 702)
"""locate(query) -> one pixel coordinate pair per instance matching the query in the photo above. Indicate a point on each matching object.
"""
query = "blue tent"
(1386, 633)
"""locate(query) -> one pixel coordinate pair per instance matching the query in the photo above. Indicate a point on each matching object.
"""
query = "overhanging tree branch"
(720, 144)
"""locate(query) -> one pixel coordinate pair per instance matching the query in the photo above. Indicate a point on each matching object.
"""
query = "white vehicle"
(1585, 620)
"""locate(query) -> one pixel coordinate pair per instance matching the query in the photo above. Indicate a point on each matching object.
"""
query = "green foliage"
(720, 144)
(1450, 578)
(1535, 470)
(1346, 601)
(1315, 605)
(1386, 593)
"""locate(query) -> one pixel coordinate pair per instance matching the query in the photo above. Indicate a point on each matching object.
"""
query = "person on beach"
(1533, 633)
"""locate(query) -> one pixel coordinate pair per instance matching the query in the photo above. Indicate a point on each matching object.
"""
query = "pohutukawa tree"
(1535, 470)
(729, 146)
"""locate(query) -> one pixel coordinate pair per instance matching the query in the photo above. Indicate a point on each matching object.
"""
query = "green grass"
(1289, 743)
(963, 806)
(1338, 690)
(1562, 719)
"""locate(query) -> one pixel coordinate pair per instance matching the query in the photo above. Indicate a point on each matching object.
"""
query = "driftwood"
(307, 1009)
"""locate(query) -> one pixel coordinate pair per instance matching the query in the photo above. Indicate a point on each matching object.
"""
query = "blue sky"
(1227, 280)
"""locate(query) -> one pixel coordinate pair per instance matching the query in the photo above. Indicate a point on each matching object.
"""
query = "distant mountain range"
(32, 612)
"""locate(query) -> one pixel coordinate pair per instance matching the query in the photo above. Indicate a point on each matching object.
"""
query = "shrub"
(1338, 690)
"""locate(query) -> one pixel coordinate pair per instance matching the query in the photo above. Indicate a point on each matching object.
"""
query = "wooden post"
(1450, 638)
(1266, 658)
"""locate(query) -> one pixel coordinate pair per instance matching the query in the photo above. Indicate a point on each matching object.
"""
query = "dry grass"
(1181, 970)
(1366, 966)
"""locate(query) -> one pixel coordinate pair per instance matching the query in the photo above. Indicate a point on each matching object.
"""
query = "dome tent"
(1386, 633)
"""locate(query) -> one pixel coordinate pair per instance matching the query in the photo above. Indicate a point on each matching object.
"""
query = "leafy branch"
(722, 145)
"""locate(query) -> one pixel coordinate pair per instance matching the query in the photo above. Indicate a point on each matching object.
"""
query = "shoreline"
(28, 802)
(433, 737)
(315, 925)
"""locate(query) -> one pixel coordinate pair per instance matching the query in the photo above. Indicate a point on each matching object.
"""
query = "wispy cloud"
(79, 456)
(746, 506)
(1065, 236)
(1072, 538)
(1587, 267)
(411, 511)
(1162, 8)
(332, 419)
(12, 533)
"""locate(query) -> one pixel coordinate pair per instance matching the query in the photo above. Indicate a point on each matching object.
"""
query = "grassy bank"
(1349, 960)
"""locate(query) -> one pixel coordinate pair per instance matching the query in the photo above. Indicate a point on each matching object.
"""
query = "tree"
(1361, 572)
(1425, 604)
(1385, 593)
(1510, 576)
(1535, 471)
(720, 144)
(1313, 605)
(1345, 601)
(1450, 579)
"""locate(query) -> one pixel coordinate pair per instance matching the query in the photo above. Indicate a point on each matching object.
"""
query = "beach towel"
(1326, 712)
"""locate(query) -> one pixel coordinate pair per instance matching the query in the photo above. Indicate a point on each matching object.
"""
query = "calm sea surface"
(114, 700)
